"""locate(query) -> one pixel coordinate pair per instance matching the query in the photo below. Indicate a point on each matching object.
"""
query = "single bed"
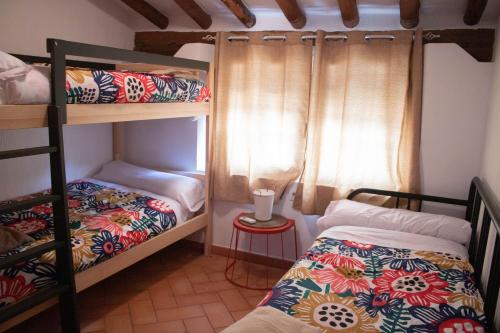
(366, 279)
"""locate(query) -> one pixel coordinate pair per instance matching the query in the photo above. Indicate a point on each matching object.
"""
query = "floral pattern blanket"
(104, 222)
(85, 86)
(345, 286)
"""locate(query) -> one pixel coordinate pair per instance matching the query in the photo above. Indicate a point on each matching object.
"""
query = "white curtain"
(262, 103)
(364, 124)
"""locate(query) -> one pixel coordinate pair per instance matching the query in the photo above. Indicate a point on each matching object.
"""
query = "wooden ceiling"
(293, 11)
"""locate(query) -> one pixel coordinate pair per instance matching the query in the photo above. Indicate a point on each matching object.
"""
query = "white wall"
(25, 24)
(169, 144)
(491, 158)
(176, 137)
(490, 172)
(455, 105)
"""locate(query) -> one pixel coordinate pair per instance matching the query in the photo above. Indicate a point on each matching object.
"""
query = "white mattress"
(182, 214)
(395, 239)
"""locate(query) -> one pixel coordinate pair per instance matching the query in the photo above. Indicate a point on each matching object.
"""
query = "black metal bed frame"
(65, 288)
(481, 219)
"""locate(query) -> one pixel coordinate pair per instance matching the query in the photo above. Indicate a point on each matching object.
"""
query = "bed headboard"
(483, 212)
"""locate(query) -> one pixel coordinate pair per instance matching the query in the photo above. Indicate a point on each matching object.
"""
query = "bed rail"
(483, 210)
(29, 59)
(113, 53)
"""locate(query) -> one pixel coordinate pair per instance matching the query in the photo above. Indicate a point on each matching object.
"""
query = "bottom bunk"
(107, 220)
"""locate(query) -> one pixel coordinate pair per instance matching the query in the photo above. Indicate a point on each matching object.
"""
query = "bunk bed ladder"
(65, 288)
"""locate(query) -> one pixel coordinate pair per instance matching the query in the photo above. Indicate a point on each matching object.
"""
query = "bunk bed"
(53, 116)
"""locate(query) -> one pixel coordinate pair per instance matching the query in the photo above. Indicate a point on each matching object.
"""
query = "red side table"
(277, 225)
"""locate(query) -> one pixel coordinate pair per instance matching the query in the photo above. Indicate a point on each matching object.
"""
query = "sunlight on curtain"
(359, 107)
(262, 104)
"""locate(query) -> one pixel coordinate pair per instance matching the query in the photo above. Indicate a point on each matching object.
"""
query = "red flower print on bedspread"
(13, 289)
(159, 206)
(28, 225)
(342, 279)
(419, 288)
(133, 238)
(337, 260)
(114, 220)
(133, 87)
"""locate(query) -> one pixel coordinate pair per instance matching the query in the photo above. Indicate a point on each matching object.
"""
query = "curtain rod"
(313, 37)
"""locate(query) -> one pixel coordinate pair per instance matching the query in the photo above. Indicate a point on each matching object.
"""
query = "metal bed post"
(64, 255)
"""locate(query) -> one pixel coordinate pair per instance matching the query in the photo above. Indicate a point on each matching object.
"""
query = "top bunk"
(141, 86)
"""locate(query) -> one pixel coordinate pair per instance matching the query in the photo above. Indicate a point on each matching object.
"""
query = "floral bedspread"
(85, 86)
(344, 286)
(104, 222)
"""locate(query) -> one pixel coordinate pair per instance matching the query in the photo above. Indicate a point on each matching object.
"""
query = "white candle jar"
(263, 201)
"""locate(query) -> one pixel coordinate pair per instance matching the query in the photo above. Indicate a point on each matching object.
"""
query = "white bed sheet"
(182, 214)
(395, 239)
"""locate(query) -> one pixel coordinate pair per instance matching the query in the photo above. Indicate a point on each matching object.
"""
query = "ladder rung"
(27, 152)
(31, 301)
(29, 203)
(32, 252)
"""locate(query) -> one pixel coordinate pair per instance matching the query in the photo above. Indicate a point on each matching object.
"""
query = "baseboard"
(251, 257)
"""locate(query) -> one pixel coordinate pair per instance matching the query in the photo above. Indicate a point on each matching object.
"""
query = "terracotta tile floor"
(176, 290)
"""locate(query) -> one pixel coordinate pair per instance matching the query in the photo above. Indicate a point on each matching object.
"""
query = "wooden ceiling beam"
(197, 13)
(241, 11)
(409, 13)
(294, 14)
(474, 11)
(349, 12)
(169, 42)
(149, 12)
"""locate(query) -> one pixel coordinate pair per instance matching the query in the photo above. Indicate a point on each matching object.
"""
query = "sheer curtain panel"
(262, 106)
(364, 117)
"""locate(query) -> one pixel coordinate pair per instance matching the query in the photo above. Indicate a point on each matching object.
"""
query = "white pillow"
(8, 62)
(189, 192)
(29, 87)
(352, 213)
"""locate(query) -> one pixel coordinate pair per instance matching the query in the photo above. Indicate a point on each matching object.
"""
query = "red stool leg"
(267, 255)
(229, 252)
(235, 253)
(282, 248)
(295, 236)
(249, 251)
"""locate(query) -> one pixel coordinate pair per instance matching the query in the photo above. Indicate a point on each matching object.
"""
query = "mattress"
(84, 86)
(105, 220)
(88, 86)
(356, 279)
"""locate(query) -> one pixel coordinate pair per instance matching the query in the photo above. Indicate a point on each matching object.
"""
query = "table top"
(277, 224)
